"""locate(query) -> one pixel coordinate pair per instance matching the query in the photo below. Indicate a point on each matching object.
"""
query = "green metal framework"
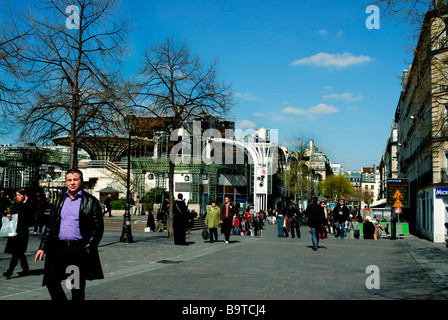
(24, 166)
(160, 166)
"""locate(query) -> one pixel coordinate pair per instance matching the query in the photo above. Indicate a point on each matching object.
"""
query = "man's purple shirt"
(69, 230)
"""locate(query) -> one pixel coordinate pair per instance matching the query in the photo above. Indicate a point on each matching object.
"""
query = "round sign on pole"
(398, 210)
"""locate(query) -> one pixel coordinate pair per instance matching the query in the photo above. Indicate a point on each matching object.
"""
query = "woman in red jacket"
(236, 224)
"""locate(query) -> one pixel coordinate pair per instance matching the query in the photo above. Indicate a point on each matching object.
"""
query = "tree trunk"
(73, 150)
(169, 225)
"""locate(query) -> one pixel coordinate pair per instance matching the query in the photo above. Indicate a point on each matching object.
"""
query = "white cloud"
(323, 108)
(277, 117)
(350, 97)
(324, 59)
(319, 109)
(291, 110)
(323, 32)
(246, 96)
(258, 114)
(246, 124)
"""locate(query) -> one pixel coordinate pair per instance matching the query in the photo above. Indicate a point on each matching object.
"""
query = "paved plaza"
(266, 268)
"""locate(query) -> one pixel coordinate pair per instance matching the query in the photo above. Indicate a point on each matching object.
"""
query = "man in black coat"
(108, 205)
(258, 224)
(70, 240)
(340, 217)
(180, 221)
(292, 214)
(316, 220)
(226, 218)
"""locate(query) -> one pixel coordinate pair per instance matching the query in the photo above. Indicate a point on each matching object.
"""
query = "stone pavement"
(251, 268)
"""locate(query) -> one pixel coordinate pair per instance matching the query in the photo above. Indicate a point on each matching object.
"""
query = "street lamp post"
(126, 234)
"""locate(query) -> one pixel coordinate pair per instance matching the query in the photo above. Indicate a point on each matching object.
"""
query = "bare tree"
(411, 12)
(71, 61)
(10, 91)
(297, 178)
(175, 85)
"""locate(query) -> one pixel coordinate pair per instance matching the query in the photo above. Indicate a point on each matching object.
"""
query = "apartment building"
(421, 118)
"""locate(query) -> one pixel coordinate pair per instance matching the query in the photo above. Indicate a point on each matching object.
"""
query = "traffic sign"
(398, 193)
(398, 210)
(398, 204)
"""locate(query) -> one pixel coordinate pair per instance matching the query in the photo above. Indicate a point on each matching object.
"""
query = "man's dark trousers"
(71, 254)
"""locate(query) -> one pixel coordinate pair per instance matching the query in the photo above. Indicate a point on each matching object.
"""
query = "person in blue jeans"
(281, 221)
(340, 216)
(316, 220)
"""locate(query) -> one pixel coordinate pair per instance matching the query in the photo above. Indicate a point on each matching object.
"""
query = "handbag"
(9, 227)
(205, 234)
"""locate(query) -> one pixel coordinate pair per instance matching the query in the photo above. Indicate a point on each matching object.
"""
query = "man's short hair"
(72, 171)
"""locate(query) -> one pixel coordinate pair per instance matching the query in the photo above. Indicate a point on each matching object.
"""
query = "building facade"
(388, 167)
(421, 118)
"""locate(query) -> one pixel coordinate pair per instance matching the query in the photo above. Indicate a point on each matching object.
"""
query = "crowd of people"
(231, 222)
(341, 221)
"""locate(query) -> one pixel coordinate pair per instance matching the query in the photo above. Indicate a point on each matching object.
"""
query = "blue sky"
(306, 68)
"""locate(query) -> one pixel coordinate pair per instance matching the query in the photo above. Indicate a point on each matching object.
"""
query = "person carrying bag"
(17, 244)
(9, 226)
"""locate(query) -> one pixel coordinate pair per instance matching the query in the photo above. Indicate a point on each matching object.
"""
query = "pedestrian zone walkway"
(261, 269)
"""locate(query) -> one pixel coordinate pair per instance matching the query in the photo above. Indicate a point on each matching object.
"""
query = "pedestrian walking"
(159, 221)
(257, 224)
(316, 220)
(274, 217)
(137, 206)
(329, 222)
(353, 228)
(4, 203)
(322, 234)
(281, 215)
(340, 216)
(236, 224)
(212, 221)
(108, 205)
(180, 221)
(150, 223)
(243, 231)
(368, 228)
(280, 224)
(378, 230)
(71, 239)
(192, 216)
(40, 204)
(17, 245)
(226, 217)
(294, 219)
